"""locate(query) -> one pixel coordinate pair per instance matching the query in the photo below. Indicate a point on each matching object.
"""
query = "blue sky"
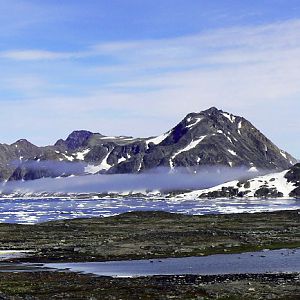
(137, 67)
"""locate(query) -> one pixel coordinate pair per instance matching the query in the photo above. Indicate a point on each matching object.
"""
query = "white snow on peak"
(82, 154)
(121, 159)
(108, 138)
(229, 139)
(104, 166)
(194, 122)
(230, 117)
(283, 154)
(232, 152)
(69, 158)
(190, 146)
(140, 166)
(221, 132)
(239, 127)
(157, 140)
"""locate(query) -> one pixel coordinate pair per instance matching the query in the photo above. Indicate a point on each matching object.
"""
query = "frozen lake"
(29, 211)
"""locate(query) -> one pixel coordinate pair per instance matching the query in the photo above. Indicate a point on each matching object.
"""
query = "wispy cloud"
(247, 70)
(32, 55)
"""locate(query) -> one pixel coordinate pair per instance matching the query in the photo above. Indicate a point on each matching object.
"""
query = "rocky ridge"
(209, 138)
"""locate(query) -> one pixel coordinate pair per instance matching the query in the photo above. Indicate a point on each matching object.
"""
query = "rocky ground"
(54, 285)
(140, 235)
(150, 235)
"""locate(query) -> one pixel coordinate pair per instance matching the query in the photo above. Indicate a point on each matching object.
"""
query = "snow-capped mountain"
(284, 184)
(211, 137)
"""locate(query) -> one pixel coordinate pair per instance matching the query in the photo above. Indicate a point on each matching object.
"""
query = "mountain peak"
(212, 110)
(75, 140)
(79, 134)
(212, 137)
(23, 142)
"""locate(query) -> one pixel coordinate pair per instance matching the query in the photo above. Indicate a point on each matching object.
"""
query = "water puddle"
(273, 261)
(10, 254)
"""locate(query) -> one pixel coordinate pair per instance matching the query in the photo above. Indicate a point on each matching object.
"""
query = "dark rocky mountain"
(211, 137)
(293, 177)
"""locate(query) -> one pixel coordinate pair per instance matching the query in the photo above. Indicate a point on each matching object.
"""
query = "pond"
(267, 261)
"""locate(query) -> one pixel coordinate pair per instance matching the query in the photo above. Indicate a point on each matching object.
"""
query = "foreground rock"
(148, 235)
(54, 285)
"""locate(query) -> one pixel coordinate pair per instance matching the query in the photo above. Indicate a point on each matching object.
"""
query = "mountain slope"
(211, 137)
(283, 184)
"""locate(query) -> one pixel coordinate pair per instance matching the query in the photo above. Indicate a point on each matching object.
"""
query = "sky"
(137, 67)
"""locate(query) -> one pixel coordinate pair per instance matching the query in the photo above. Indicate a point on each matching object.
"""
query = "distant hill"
(283, 184)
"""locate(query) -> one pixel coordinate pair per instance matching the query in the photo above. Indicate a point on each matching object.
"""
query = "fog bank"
(158, 179)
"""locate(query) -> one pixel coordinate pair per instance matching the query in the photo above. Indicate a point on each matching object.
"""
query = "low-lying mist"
(159, 179)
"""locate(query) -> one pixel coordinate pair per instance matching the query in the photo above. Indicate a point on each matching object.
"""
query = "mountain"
(285, 184)
(211, 137)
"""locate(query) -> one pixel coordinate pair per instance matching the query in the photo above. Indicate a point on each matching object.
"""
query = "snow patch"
(157, 140)
(283, 154)
(121, 159)
(69, 158)
(231, 118)
(195, 122)
(190, 146)
(239, 127)
(82, 154)
(104, 166)
(272, 181)
(232, 152)
(92, 169)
